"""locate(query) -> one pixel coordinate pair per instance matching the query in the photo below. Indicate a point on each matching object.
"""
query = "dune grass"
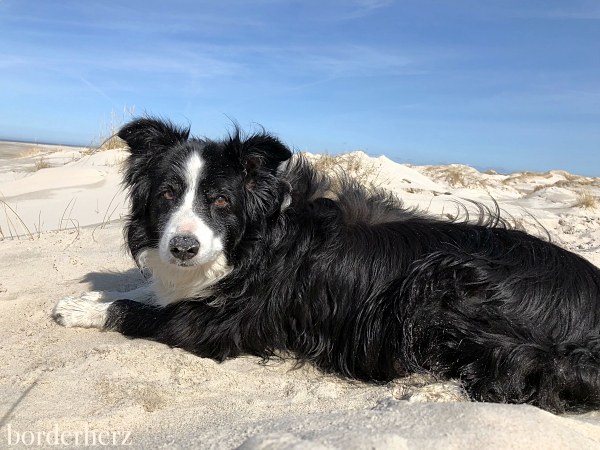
(458, 176)
(586, 200)
(107, 138)
(13, 225)
(454, 176)
(362, 169)
(32, 150)
(39, 164)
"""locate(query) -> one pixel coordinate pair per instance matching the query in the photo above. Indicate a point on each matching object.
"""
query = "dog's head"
(193, 199)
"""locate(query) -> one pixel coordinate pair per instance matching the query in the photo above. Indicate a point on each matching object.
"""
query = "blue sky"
(511, 85)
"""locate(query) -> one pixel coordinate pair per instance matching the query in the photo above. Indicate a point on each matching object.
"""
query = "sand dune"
(72, 383)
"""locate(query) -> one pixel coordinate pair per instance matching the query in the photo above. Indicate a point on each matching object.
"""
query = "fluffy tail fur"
(464, 319)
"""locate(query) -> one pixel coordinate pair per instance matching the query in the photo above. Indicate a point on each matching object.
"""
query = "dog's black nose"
(184, 247)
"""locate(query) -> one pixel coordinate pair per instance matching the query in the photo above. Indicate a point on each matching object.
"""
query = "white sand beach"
(61, 234)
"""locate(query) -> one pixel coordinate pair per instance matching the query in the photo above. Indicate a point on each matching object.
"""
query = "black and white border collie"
(254, 252)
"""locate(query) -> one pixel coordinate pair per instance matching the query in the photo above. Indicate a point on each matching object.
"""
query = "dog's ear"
(149, 135)
(262, 152)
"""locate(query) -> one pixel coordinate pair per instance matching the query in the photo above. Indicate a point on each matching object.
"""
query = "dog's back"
(462, 299)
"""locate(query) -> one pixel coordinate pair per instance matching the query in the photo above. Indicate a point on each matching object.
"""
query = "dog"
(254, 252)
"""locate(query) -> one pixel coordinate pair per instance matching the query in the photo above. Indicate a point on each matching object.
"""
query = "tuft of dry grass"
(578, 181)
(15, 224)
(454, 176)
(32, 150)
(524, 176)
(539, 187)
(362, 169)
(586, 199)
(107, 138)
(457, 176)
(39, 164)
(570, 177)
(37, 150)
(571, 182)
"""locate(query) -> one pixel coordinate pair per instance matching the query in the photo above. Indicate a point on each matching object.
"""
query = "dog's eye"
(168, 194)
(221, 201)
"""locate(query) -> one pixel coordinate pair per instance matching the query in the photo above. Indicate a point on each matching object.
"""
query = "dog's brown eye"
(220, 201)
(168, 195)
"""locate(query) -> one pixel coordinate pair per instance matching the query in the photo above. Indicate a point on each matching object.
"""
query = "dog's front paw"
(86, 311)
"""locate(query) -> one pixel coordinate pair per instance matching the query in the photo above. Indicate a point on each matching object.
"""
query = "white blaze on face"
(184, 221)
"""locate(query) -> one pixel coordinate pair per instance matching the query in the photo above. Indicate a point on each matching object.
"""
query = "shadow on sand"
(114, 281)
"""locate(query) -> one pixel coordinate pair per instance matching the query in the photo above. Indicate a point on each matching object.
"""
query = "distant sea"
(11, 149)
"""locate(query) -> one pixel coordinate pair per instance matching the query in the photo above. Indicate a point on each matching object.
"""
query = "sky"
(509, 85)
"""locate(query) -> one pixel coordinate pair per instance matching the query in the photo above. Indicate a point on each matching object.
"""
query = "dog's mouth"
(183, 264)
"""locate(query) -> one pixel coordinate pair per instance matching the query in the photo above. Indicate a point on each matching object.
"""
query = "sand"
(65, 383)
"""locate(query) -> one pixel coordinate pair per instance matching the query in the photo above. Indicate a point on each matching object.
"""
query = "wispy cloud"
(336, 11)
(366, 7)
(573, 10)
(99, 91)
(146, 20)
(348, 60)
(10, 60)
(585, 14)
(167, 59)
(191, 63)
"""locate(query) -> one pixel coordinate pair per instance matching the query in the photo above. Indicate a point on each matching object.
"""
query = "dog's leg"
(194, 326)
(90, 309)
(207, 331)
(143, 294)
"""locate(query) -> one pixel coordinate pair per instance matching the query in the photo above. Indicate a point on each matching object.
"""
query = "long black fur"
(354, 282)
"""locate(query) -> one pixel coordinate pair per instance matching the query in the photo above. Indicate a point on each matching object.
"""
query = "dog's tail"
(529, 340)
(559, 378)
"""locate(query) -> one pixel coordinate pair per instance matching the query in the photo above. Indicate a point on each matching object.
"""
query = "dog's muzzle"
(184, 247)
